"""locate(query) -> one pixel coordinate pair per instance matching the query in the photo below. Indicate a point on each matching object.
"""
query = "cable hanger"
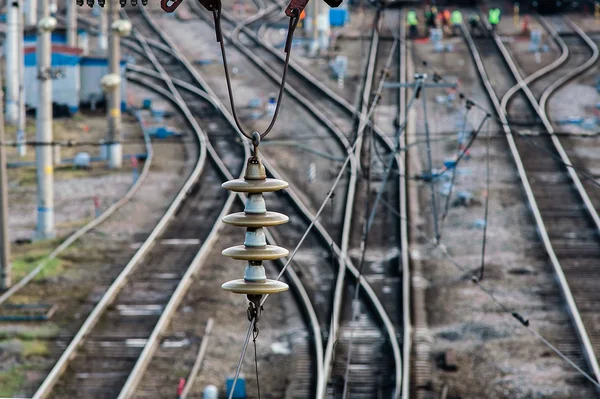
(293, 11)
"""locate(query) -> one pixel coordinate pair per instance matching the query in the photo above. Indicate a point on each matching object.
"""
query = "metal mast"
(43, 153)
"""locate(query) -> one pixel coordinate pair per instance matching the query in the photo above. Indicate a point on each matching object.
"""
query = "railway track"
(561, 209)
(71, 239)
(328, 239)
(99, 358)
(305, 80)
(306, 213)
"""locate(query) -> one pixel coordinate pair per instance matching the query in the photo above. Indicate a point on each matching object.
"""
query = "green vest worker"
(411, 18)
(456, 18)
(494, 16)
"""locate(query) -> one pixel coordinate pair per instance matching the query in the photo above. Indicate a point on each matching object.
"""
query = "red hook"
(170, 8)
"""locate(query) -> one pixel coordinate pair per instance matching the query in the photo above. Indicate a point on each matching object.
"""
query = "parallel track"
(370, 294)
(565, 219)
(302, 79)
(133, 379)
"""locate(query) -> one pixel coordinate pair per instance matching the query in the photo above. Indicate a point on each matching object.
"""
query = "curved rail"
(574, 72)
(542, 71)
(405, 259)
(559, 148)
(347, 223)
(303, 209)
(91, 225)
(146, 355)
(363, 123)
(562, 281)
(121, 279)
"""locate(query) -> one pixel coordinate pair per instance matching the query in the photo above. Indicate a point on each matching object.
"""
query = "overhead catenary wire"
(486, 203)
(369, 224)
(454, 173)
(314, 219)
(506, 309)
(288, 50)
(515, 315)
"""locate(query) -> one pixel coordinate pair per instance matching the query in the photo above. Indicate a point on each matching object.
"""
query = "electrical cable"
(514, 315)
(254, 336)
(515, 132)
(288, 50)
(430, 165)
(453, 180)
(363, 249)
(486, 204)
(369, 224)
(330, 193)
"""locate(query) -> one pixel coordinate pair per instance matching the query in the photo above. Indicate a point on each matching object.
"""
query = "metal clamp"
(254, 308)
(164, 4)
(50, 73)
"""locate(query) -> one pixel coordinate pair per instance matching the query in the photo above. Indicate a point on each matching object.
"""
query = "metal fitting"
(110, 82)
(121, 27)
(46, 24)
(255, 169)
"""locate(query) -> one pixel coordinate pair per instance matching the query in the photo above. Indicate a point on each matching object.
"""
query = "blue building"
(78, 82)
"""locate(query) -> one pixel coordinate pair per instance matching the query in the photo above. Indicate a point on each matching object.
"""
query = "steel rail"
(542, 71)
(89, 226)
(121, 279)
(184, 284)
(382, 136)
(402, 372)
(572, 73)
(560, 275)
(146, 356)
(347, 224)
(559, 148)
(292, 276)
(189, 383)
(403, 183)
(303, 209)
(588, 349)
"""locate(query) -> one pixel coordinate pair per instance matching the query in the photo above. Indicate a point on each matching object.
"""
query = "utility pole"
(21, 147)
(31, 16)
(118, 28)
(72, 23)
(5, 280)
(12, 69)
(102, 41)
(43, 153)
(314, 45)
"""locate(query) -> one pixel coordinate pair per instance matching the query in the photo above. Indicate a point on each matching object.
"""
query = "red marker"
(134, 161)
(96, 202)
(180, 386)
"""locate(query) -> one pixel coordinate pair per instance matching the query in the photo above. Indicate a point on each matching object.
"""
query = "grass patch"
(24, 265)
(11, 380)
(35, 348)
(46, 331)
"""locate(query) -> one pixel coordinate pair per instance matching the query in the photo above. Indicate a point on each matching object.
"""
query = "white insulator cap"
(46, 24)
(255, 204)
(121, 27)
(255, 238)
(110, 82)
(255, 272)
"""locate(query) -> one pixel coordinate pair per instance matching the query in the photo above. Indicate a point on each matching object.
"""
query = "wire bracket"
(254, 309)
